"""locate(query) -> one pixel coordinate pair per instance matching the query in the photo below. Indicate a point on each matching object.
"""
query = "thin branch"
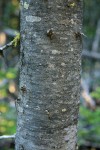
(14, 42)
(92, 55)
(10, 32)
(87, 143)
(6, 46)
(7, 137)
(95, 44)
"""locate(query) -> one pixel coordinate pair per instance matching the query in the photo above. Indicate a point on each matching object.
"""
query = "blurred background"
(89, 115)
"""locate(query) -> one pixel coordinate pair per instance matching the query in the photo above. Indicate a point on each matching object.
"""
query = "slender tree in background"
(49, 89)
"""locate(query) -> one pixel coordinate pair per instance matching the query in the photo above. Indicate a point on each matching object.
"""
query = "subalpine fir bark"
(49, 90)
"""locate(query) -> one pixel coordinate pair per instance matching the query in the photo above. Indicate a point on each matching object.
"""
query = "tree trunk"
(49, 89)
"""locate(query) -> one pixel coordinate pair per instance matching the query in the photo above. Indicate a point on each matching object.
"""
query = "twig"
(87, 143)
(6, 46)
(92, 55)
(7, 137)
(95, 44)
(11, 32)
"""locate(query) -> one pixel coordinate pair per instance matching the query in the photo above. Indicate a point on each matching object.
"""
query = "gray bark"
(49, 88)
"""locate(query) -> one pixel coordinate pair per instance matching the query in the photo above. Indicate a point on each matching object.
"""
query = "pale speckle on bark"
(51, 66)
(55, 52)
(71, 49)
(26, 5)
(33, 19)
(54, 83)
(63, 64)
(20, 109)
(64, 110)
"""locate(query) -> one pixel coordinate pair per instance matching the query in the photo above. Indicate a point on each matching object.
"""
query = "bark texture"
(50, 56)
